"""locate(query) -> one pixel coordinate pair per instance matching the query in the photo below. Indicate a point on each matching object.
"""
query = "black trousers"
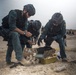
(48, 41)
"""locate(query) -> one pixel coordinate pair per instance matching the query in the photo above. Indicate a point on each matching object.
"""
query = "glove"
(39, 41)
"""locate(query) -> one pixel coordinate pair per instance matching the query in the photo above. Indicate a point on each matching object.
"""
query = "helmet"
(57, 18)
(34, 26)
(30, 9)
(37, 24)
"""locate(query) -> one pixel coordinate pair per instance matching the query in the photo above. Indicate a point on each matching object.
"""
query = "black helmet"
(37, 24)
(30, 9)
(57, 18)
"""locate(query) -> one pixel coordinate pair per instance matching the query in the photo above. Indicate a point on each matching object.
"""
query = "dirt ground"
(41, 69)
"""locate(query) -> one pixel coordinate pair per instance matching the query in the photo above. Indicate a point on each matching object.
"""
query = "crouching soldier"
(34, 29)
(17, 21)
(55, 30)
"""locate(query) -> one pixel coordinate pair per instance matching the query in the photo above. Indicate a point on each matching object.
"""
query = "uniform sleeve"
(63, 31)
(12, 19)
(36, 36)
(44, 33)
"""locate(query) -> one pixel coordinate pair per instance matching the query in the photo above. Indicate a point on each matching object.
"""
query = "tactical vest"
(21, 20)
(55, 30)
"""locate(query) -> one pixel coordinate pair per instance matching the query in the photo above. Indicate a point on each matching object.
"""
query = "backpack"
(4, 33)
(5, 22)
(4, 29)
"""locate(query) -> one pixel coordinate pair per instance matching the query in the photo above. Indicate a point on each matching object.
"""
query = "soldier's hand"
(28, 34)
(39, 41)
(30, 42)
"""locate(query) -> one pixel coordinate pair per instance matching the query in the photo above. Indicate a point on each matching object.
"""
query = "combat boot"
(25, 62)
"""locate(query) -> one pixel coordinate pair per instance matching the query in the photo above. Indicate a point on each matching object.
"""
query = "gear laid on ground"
(33, 54)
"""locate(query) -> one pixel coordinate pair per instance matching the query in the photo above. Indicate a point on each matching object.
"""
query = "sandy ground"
(40, 69)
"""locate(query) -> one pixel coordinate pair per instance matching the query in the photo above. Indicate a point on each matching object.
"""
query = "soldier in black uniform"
(55, 30)
(34, 28)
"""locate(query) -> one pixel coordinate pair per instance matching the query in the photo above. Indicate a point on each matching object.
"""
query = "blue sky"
(44, 9)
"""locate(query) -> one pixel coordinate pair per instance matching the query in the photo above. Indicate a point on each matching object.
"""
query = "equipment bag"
(5, 22)
(4, 33)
